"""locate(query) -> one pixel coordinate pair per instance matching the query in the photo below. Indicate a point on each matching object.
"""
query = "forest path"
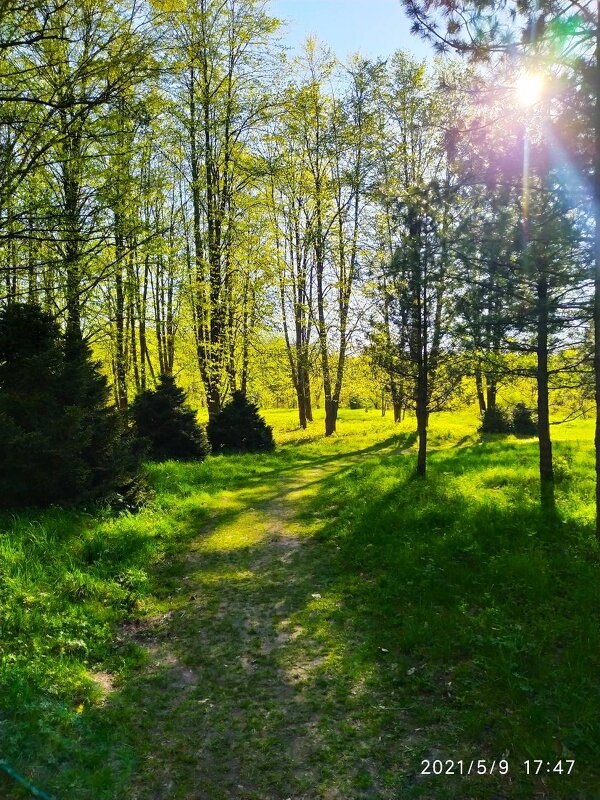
(237, 700)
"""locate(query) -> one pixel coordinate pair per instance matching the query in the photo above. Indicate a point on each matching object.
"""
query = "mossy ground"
(311, 624)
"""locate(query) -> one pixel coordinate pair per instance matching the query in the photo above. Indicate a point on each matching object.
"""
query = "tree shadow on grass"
(464, 587)
(92, 754)
(426, 622)
(425, 619)
(229, 473)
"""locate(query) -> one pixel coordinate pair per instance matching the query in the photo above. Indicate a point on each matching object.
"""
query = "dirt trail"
(235, 701)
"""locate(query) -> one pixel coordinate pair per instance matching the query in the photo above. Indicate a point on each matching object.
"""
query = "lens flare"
(529, 88)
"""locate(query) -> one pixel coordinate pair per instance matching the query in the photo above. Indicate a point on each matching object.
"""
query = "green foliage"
(238, 427)
(564, 464)
(163, 418)
(520, 421)
(59, 439)
(355, 402)
(495, 420)
(523, 422)
(443, 614)
(104, 453)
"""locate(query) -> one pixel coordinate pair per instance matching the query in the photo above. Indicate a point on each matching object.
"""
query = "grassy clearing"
(310, 624)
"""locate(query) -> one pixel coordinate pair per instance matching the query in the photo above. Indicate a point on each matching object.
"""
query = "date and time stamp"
(501, 766)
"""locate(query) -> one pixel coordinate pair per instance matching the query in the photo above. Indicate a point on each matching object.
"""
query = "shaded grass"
(486, 608)
(447, 617)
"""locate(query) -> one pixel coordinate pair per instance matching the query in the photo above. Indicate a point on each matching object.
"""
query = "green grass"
(311, 623)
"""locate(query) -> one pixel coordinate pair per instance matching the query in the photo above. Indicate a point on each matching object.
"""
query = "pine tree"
(495, 420)
(59, 440)
(163, 418)
(30, 366)
(105, 456)
(238, 427)
(523, 421)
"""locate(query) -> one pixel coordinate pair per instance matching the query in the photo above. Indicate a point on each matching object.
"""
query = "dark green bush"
(58, 438)
(238, 427)
(163, 418)
(523, 420)
(495, 420)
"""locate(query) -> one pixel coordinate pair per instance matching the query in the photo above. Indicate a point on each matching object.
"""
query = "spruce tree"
(168, 424)
(238, 427)
(523, 421)
(495, 420)
(58, 439)
(105, 456)
(30, 410)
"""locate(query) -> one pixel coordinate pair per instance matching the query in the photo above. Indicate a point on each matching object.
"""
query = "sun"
(529, 88)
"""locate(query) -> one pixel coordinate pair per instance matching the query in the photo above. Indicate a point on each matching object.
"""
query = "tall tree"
(325, 142)
(416, 283)
(224, 58)
(562, 37)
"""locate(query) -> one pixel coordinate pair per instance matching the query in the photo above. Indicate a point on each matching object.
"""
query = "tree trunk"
(134, 349)
(480, 395)
(208, 299)
(31, 264)
(158, 315)
(422, 420)
(142, 303)
(422, 454)
(132, 295)
(330, 404)
(301, 409)
(71, 258)
(120, 359)
(545, 442)
(491, 391)
(331, 409)
(245, 337)
(170, 325)
(309, 413)
(422, 433)
(307, 397)
(213, 401)
(302, 384)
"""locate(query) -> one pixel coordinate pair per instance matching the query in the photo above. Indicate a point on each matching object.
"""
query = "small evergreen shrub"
(238, 427)
(58, 438)
(163, 418)
(523, 421)
(563, 468)
(356, 401)
(495, 420)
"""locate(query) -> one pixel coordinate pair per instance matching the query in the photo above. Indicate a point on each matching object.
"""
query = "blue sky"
(374, 27)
